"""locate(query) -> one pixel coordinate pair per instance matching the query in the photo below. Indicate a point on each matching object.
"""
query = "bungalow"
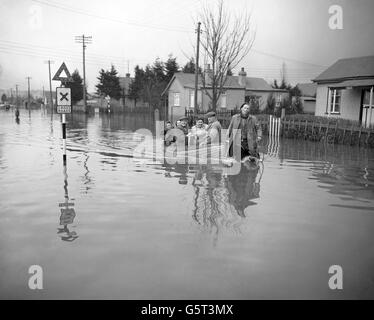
(180, 93)
(308, 96)
(345, 90)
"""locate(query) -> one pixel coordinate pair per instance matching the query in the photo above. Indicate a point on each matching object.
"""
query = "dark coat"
(254, 131)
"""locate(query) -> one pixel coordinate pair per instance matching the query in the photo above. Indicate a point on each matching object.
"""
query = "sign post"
(63, 106)
(63, 100)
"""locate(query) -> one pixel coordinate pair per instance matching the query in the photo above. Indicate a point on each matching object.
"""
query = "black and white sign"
(63, 97)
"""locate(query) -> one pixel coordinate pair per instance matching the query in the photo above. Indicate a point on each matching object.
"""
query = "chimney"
(207, 74)
(242, 77)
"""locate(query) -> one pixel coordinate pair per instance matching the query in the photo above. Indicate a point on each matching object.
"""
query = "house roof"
(354, 83)
(351, 68)
(187, 80)
(307, 89)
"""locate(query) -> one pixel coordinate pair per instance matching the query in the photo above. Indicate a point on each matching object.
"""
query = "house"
(180, 93)
(308, 96)
(345, 90)
(124, 83)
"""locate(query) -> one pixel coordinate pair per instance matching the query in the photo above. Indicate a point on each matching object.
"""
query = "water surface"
(148, 230)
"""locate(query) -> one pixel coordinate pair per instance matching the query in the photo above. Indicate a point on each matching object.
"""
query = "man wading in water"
(251, 134)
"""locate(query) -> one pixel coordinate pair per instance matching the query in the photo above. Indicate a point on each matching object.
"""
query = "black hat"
(245, 103)
(182, 118)
(210, 114)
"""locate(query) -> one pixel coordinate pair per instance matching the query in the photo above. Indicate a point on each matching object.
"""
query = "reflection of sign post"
(67, 216)
(63, 100)
(107, 98)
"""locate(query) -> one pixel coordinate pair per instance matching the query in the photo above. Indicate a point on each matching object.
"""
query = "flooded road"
(147, 230)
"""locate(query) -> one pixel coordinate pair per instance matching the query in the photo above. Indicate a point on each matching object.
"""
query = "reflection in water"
(340, 169)
(219, 200)
(87, 179)
(67, 214)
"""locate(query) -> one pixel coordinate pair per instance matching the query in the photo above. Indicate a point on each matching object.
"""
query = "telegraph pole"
(50, 84)
(197, 66)
(28, 93)
(84, 40)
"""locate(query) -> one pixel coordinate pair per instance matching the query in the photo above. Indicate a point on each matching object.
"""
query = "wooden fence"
(329, 132)
(308, 127)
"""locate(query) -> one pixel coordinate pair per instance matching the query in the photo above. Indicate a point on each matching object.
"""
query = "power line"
(60, 52)
(94, 15)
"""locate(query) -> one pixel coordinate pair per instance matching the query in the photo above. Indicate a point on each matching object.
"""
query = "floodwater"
(146, 230)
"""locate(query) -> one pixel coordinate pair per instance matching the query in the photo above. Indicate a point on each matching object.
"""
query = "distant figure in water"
(16, 113)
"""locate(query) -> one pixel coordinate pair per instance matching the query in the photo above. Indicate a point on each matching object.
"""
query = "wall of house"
(349, 107)
(234, 99)
(309, 106)
(176, 112)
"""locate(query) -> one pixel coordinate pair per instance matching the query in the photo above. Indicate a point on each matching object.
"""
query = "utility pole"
(84, 40)
(50, 84)
(28, 93)
(197, 66)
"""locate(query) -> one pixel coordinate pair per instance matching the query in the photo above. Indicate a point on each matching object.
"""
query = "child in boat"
(168, 136)
(198, 132)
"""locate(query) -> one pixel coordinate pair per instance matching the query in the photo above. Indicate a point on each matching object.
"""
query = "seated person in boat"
(198, 133)
(251, 134)
(214, 129)
(169, 137)
(183, 126)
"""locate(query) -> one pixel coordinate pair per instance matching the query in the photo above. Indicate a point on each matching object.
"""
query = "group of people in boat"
(205, 134)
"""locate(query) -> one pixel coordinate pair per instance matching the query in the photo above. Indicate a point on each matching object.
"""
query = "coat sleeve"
(229, 130)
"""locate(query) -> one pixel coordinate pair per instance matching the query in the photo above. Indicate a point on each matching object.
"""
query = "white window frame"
(223, 98)
(333, 104)
(192, 99)
(177, 101)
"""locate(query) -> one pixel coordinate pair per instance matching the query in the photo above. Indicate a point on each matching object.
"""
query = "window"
(176, 99)
(223, 100)
(192, 98)
(335, 99)
(366, 100)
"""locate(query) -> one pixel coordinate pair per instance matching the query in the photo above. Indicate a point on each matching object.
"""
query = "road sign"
(66, 78)
(63, 97)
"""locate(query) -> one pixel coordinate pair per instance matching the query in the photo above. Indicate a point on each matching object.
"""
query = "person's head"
(183, 122)
(211, 116)
(168, 125)
(244, 109)
(178, 123)
(199, 122)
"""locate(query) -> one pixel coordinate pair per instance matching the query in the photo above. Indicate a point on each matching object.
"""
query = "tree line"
(146, 86)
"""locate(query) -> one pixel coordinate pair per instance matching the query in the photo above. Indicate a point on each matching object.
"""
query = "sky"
(294, 34)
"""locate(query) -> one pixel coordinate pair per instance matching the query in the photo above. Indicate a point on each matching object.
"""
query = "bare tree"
(226, 42)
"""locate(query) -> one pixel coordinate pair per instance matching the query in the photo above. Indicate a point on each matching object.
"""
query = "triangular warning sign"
(63, 69)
